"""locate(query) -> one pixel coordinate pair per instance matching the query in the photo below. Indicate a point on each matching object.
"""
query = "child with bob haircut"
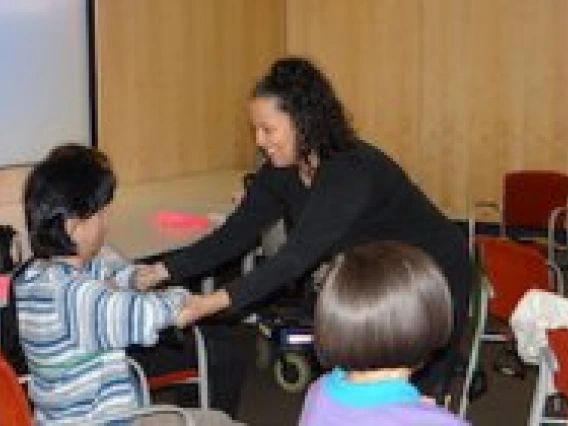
(384, 309)
(78, 303)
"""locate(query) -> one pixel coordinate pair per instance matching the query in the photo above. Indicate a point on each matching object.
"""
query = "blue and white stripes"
(74, 325)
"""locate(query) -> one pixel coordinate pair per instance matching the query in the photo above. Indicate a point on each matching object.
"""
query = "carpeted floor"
(506, 402)
(263, 403)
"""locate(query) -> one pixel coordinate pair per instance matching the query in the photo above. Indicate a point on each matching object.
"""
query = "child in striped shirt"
(78, 304)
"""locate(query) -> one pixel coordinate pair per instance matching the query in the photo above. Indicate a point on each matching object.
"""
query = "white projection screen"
(44, 77)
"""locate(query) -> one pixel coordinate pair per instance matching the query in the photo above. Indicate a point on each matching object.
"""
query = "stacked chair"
(533, 210)
(506, 271)
(531, 239)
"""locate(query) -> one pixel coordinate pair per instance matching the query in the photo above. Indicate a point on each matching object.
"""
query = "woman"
(334, 190)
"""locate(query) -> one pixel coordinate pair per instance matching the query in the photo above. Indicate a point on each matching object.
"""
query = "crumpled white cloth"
(537, 311)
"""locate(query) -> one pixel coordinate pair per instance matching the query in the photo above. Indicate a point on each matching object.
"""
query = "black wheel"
(292, 372)
(264, 355)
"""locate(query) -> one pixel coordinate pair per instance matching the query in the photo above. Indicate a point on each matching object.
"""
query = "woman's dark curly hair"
(306, 94)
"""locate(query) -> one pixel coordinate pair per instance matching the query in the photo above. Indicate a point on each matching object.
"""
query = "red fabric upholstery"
(558, 342)
(14, 407)
(530, 196)
(512, 269)
(172, 378)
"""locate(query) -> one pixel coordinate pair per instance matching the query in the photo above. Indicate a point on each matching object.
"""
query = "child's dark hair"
(385, 305)
(73, 181)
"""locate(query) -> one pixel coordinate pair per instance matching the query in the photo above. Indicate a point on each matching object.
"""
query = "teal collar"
(368, 394)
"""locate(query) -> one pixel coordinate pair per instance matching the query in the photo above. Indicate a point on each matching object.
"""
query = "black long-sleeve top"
(357, 196)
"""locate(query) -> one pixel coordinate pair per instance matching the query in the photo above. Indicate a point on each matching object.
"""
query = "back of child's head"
(384, 305)
(73, 181)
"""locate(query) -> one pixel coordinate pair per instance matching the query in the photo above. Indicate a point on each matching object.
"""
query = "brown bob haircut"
(384, 305)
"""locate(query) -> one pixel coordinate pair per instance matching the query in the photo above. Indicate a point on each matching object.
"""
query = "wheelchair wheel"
(292, 372)
(264, 355)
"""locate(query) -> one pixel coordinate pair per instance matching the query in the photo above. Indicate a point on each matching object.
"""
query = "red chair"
(197, 376)
(552, 377)
(558, 342)
(512, 269)
(535, 201)
(14, 407)
(507, 271)
(531, 196)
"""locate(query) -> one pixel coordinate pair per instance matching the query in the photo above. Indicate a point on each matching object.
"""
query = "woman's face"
(274, 132)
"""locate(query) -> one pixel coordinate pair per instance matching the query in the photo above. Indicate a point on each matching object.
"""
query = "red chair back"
(558, 343)
(171, 378)
(14, 407)
(530, 196)
(512, 269)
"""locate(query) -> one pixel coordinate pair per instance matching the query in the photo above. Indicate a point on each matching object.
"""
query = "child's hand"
(198, 306)
(186, 314)
(148, 276)
(112, 284)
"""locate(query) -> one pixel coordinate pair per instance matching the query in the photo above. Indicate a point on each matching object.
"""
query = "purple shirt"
(332, 401)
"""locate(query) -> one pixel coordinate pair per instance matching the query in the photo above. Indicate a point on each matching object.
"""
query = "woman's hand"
(148, 276)
(202, 305)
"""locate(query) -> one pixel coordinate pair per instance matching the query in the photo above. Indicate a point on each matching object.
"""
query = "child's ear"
(71, 228)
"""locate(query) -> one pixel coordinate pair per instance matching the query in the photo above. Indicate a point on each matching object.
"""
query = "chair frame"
(552, 247)
(201, 379)
(479, 308)
(548, 364)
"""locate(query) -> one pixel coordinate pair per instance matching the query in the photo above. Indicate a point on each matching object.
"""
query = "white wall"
(44, 80)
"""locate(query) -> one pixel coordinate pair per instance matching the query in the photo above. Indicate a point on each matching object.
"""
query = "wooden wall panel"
(443, 136)
(173, 79)
(459, 91)
(545, 58)
(354, 44)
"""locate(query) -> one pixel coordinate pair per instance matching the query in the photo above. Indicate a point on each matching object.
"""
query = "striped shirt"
(74, 325)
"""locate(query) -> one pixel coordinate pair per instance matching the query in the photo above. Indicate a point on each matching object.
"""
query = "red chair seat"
(172, 378)
(14, 407)
(512, 269)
